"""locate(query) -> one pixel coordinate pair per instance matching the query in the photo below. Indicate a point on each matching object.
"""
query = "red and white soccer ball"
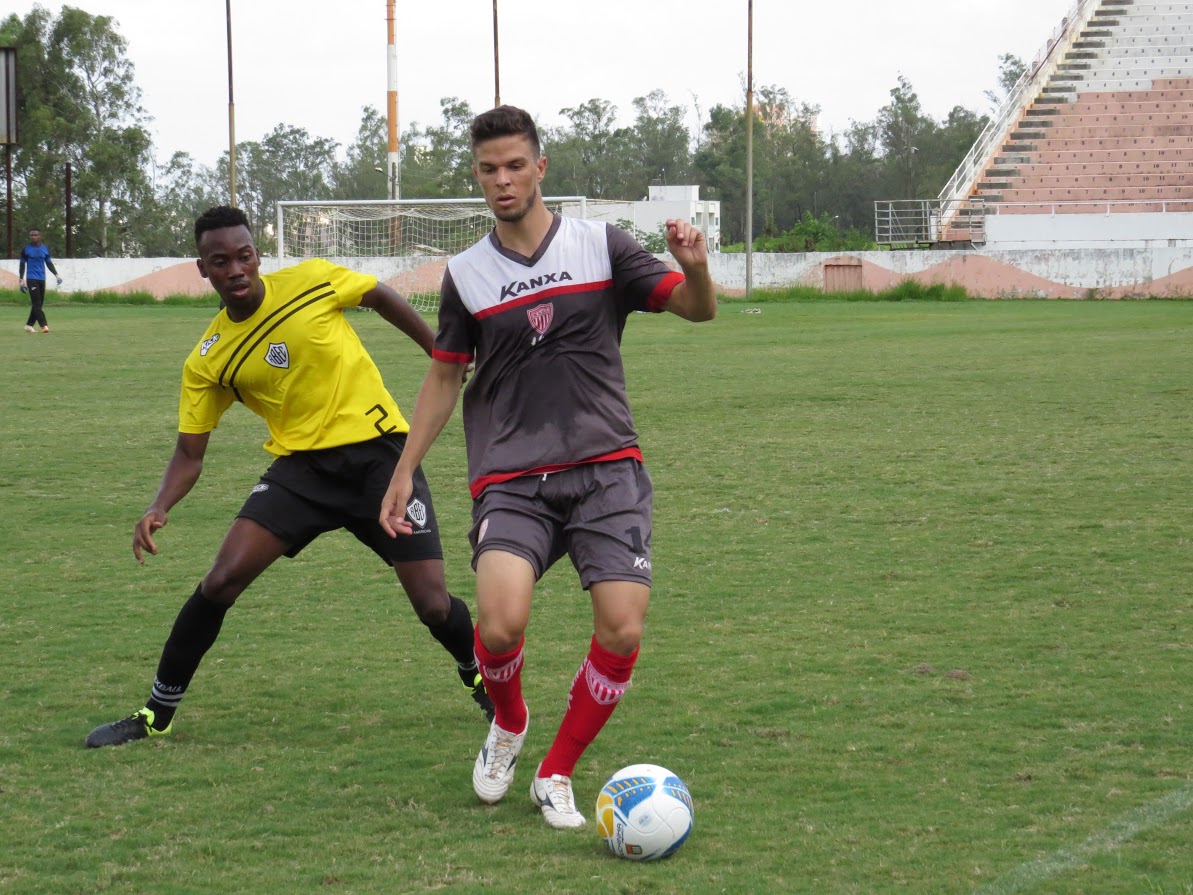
(644, 812)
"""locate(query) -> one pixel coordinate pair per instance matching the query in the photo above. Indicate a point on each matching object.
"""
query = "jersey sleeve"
(455, 342)
(643, 280)
(201, 403)
(349, 285)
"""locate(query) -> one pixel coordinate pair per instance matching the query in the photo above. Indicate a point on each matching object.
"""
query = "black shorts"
(599, 514)
(307, 493)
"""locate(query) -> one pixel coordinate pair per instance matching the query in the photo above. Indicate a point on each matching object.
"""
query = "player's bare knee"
(621, 641)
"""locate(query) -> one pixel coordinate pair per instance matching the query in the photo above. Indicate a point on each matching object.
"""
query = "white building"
(661, 204)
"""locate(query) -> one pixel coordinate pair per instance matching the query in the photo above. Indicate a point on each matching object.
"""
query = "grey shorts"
(599, 514)
(307, 493)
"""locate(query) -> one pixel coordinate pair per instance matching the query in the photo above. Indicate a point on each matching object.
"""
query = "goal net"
(403, 242)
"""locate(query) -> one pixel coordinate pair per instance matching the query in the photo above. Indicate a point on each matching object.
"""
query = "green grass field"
(922, 623)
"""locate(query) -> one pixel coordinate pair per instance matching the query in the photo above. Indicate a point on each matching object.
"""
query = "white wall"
(1056, 273)
(1088, 231)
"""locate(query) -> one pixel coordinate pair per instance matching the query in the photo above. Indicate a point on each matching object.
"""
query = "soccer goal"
(404, 242)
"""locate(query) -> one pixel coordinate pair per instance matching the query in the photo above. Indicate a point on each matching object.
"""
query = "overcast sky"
(315, 64)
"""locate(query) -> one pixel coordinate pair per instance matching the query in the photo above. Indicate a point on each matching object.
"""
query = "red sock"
(597, 688)
(503, 682)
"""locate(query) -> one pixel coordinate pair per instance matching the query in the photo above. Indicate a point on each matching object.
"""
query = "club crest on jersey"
(540, 317)
(278, 355)
(517, 287)
(416, 511)
(206, 345)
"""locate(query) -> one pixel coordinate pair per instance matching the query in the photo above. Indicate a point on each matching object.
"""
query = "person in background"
(36, 257)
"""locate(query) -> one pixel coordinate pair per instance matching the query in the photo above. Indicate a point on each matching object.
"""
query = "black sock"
(195, 630)
(456, 636)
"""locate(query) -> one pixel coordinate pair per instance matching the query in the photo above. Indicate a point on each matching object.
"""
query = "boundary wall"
(1010, 273)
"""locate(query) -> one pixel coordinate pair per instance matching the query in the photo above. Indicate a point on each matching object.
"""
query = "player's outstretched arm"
(433, 408)
(396, 310)
(180, 476)
(695, 298)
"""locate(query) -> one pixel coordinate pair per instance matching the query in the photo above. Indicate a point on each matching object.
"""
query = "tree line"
(79, 105)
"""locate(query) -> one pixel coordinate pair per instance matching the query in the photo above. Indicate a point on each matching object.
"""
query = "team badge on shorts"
(416, 511)
(278, 355)
(540, 317)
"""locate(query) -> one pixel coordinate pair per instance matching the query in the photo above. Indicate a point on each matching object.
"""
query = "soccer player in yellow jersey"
(282, 347)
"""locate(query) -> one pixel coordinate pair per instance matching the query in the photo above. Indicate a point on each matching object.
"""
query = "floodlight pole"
(231, 114)
(496, 62)
(749, 146)
(393, 158)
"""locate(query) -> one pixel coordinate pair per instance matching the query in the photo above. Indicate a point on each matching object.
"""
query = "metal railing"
(926, 222)
(1103, 206)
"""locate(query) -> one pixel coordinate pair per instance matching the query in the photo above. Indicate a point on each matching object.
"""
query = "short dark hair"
(219, 217)
(505, 121)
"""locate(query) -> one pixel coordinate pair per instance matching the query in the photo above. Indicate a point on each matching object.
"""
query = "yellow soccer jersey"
(297, 363)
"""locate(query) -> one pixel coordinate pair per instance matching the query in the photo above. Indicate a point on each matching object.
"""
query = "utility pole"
(8, 127)
(392, 105)
(749, 147)
(231, 114)
(496, 62)
(70, 218)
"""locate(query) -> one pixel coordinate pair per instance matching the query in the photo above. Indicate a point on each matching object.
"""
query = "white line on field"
(1124, 829)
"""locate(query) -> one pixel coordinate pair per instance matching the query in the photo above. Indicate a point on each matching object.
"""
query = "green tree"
(852, 178)
(1010, 69)
(288, 163)
(182, 190)
(815, 234)
(903, 132)
(79, 104)
(437, 160)
(587, 156)
(658, 145)
(362, 174)
(720, 166)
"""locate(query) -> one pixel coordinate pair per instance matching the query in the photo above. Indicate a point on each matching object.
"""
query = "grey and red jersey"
(548, 391)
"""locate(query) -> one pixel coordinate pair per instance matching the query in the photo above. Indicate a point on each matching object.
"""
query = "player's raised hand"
(143, 533)
(393, 506)
(686, 244)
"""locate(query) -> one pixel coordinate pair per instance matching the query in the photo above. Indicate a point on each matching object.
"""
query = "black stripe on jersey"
(265, 335)
(265, 322)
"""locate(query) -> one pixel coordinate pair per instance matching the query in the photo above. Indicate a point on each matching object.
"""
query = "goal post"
(404, 242)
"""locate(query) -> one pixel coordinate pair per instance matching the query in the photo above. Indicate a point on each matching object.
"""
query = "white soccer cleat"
(494, 769)
(553, 796)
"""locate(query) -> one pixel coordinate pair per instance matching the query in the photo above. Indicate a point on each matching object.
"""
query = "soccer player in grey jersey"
(554, 467)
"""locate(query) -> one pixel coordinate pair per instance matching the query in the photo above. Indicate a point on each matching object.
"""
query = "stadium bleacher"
(1105, 124)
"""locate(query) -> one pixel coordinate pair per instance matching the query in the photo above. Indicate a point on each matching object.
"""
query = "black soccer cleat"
(475, 685)
(136, 726)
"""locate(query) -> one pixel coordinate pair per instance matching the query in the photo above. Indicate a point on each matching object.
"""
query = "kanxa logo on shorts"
(540, 317)
(278, 355)
(206, 346)
(416, 511)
